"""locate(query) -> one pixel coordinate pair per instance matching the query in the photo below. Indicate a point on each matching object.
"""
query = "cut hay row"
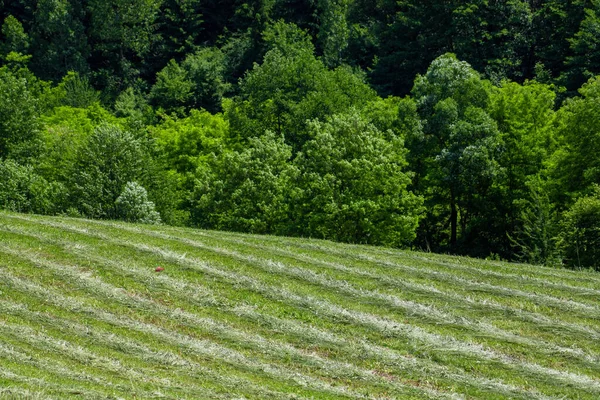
(241, 316)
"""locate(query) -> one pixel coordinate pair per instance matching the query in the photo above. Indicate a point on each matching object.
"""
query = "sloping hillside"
(84, 314)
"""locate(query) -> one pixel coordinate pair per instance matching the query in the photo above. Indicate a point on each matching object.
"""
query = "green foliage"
(188, 141)
(456, 154)
(295, 81)
(60, 41)
(245, 190)
(108, 160)
(291, 87)
(133, 205)
(353, 185)
(198, 82)
(525, 117)
(580, 233)
(15, 38)
(535, 238)
(19, 113)
(173, 89)
(333, 30)
(576, 165)
(133, 106)
(78, 91)
(585, 46)
(65, 131)
(22, 190)
(120, 32)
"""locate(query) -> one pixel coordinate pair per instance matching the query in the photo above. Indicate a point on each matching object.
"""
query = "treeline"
(258, 117)
(124, 43)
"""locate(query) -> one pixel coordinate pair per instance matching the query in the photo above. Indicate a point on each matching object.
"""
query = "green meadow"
(85, 315)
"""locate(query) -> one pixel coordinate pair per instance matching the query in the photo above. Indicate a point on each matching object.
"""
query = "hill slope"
(83, 314)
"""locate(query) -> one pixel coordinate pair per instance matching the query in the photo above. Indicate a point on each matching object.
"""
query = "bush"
(133, 205)
(580, 237)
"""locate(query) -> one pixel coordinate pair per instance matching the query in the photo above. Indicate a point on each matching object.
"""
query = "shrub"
(133, 205)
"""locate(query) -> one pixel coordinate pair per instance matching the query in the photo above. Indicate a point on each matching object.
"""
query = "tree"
(198, 83)
(15, 38)
(245, 190)
(333, 30)
(525, 117)
(59, 40)
(121, 33)
(575, 166)
(456, 153)
(291, 87)
(22, 190)
(585, 45)
(19, 112)
(110, 158)
(353, 185)
(580, 232)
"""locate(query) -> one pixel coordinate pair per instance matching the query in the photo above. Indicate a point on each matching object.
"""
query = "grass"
(234, 316)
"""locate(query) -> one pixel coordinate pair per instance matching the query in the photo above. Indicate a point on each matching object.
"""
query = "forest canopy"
(462, 127)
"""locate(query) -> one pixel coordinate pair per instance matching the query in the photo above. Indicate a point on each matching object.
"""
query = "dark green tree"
(456, 155)
(60, 42)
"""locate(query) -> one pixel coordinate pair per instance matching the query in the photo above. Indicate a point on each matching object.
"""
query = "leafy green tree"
(353, 185)
(525, 117)
(181, 146)
(245, 190)
(585, 45)
(333, 30)
(456, 154)
(495, 37)
(198, 83)
(14, 37)
(575, 166)
(22, 190)
(173, 89)
(535, 239)
(580, 233)
(291, 87)
(19, 113)
(109, 159)
(187, 142)
(64, 132)
(134, 107)
(121, 33)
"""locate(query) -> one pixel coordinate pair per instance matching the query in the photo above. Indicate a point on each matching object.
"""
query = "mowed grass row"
(84, 315)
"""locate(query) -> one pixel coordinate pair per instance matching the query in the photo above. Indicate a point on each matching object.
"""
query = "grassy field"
(83, 314)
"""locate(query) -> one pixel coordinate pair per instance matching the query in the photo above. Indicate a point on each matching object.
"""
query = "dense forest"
(467, 127)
